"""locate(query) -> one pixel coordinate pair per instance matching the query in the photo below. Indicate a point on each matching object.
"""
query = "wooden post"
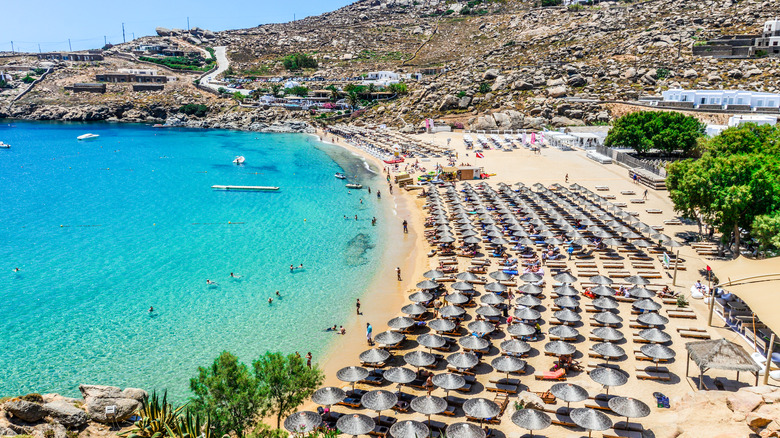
(712, 297)
(769, 352)
(676, 261)
(755, 335)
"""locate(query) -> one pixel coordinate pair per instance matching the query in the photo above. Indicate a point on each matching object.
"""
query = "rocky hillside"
(509, 63)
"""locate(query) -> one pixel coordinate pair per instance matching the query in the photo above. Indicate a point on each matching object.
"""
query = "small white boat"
(354, 186)
(87, 136)
(239, 160)
(340, 175)
(4, 145)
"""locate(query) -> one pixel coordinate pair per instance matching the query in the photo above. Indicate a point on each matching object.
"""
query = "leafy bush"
(297, 61)
(193, 109)
(576, 7)
(461, 94)
(181, 62)
(157, 418)
(662, 73)
(484, 87)
(681, 301)
(39, 71)
(298, 90)
(761, 53)
(399, 88)
(28, 79)
(546, 3)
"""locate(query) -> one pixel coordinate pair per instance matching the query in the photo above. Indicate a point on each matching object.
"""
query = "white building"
(139, 71)
(5, 76)
(734, 121)
(292, 84)
(382, 78)
(723, 98)
(770, 38)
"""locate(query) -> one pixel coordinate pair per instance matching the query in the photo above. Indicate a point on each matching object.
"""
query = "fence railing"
(628, 160)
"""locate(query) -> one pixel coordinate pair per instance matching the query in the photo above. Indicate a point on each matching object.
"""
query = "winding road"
(222, 65)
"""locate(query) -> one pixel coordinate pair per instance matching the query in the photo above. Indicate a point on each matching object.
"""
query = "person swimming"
(151, 309)
(16, 269)
(270, 300)
(209, 281)
(277, 294)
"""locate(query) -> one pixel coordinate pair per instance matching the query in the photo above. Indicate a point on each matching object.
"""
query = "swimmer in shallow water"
(151, 309)
(270, 300)
(16, 269)
(277, 294)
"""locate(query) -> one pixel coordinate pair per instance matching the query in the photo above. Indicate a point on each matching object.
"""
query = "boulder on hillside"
(163, 31)
(98, 397)
(484, 123)
(565, 121)
(66, 414)
(522, 85)
(490, 74)
(577, 81)
(448, 102)
(559, 91)
(499, 84)
(25, 410)
(464, 102)
(690, 74)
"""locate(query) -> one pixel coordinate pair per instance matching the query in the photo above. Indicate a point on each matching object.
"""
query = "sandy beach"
(383, 301)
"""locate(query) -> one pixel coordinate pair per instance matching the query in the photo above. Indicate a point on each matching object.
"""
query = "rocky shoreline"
(236, 118)
(55, 416)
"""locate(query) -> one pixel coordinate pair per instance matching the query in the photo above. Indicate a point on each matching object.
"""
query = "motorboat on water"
(239, 160)
(87, 136)
(5, 145)
(354, 186)
(340, 175)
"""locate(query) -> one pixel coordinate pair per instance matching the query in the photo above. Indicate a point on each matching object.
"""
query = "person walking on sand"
(567, 178)
(369, 332)
(378, 194)
(308, 359)
(398, 272)
(357, 306)
(645, 195)
(406, 227)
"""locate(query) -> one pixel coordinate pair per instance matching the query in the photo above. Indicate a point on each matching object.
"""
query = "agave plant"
(189, 426)
(157, 418)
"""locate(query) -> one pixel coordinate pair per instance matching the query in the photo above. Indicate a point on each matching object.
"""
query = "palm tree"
(353, 100)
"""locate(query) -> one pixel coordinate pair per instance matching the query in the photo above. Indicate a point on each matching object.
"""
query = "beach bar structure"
(720, 354)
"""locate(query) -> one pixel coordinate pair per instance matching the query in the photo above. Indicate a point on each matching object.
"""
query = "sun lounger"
(379, 431)
(384, 420)
(455, 401)
(627, 192)
(672, 222)
(559, 374)
(450, 411)
(505, 381)
(622, 433)
(638, 355)
(546, 397)
(592, 366)
(654, 211)
(458, 371)
(598, 403)
(650, 373)
(561, 417)
(350, 402)
(681, 314)
(694, 334)
(502, 400)
(500, 387)
(602, 188)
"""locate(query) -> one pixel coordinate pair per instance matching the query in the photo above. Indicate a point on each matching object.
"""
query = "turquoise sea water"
(104, 229)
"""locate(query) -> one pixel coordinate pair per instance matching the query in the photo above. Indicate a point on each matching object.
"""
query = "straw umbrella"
(508, 364)
(531, 419)
(355, 424)
(441, 325)
(567, 302)
(655, 335)
(431, 341)
(567, 315)
(464, 430)
(409, 429)
(608, 377)
(603, 291)
(389, 338)
(559, 348)
(400, 323)
(352, 374)
(413, 309)
(457, 298)
(448, 381)
(657, 352)
(427, 284)
(419, 359)
(399, 375)
(605, 303)
(433, 274)
(565, 277)
(303, 422)
(652, 319)
(564, 332)
(481, 327)
(628, 407)
(495, 287)
(641, 292)
(530, 277)
(608, 350)
(329, 395)
(530, 289)
(428, 405)
(467, 276)
(374, 355)
(378, 400)
(491, 299)
(528, 300)
(463, 360)
(481, 408)
(527, 314)
(500, 276)
(420, 297)
(590, 420)
(566, 290)
(569, 392)
(637, 280)
(608, 318)
(600, 279)
(520, 329)
(646, 304)
(462, 285)
(451, 311)
(514, 346)
(473, 343)
(607, 333)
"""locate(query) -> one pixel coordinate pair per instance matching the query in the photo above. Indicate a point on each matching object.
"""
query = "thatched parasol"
(303, 422)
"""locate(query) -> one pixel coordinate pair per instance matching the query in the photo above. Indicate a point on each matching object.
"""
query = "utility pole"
(12, 47)
(105, 42)
(188, 24)
(69, 46)
(123, 33)
(39, 48)
(133, 35)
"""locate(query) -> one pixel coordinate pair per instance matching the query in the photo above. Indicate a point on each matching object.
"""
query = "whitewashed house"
(734, 121)
(723, 98)
(382, 78)
(770, 38)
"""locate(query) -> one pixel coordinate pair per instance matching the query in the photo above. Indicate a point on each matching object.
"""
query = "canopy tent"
(757, 283)
(720, 354)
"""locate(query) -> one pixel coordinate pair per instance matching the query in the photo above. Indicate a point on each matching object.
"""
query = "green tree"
(335, 94)
(298, 90)
(399, 88)
(353, 99)
(645, 130)
(226, 393)
(284, 382)
(766, 230)
(297, 61)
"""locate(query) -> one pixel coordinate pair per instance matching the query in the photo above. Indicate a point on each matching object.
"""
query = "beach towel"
(480, 155)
